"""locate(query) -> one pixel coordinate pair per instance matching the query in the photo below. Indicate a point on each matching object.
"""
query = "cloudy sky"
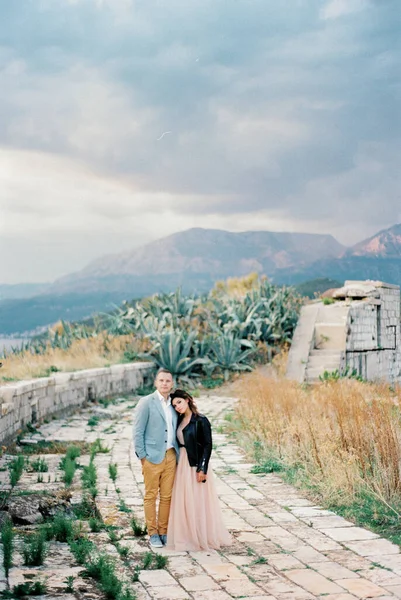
(122, 121)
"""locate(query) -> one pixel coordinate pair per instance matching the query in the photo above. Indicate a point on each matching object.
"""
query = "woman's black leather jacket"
(198, 442)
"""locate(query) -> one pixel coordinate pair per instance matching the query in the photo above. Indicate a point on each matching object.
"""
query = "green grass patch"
(69, 467)
(28, 588)
(102, 568)
(82, 548)
(86, 509)
(122, 507)
(16, 468)
(89, 476)
(95, 525)
(61, 529)
(43, 447)
(35, 549)
(152, 561)
(368, 511)
(210, 383)
(137, 528)
(93, 421)
(39, 465)
(7, 540)
(113, 471)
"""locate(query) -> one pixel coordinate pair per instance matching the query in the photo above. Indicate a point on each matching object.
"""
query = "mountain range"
(195, 259)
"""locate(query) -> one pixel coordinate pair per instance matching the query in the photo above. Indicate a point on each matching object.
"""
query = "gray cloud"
(284, 109)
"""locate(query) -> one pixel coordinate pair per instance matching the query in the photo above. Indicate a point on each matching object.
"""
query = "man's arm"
(140, 423)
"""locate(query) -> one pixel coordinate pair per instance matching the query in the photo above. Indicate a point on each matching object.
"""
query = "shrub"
(35, 549)
(69, 466)
(86, 508)
(95, 525)
(102, 568)
(81, 548)
(29, 588)
(137, 528)
(73, 452)
(113, 471)
(16, 467)
(7, 540)
(39, 465)
(161, 561)
(89, 476)
(62, 528)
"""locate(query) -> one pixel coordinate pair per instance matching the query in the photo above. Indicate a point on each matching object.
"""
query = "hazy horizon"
(128, 249)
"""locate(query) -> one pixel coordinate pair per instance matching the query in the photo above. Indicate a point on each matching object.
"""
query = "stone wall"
(359, 332)
(31, 401)
(373, 340)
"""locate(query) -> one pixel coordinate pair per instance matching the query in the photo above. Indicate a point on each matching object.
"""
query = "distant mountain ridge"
(377, 258)
(385, 244)
(207, 253)
(195, 259)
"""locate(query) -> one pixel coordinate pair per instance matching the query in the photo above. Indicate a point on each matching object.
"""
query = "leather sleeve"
(206, 442)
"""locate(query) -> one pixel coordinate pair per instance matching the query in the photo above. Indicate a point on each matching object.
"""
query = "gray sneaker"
(163, 538)
(155, 541)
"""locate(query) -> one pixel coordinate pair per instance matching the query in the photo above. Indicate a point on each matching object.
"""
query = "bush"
(95, 525)
(81, 548)
(7, 540)
(137, 528)
(69, 466)
(102, 568)
(62, 528)
(113, 471)
(89, 476)
(39, 465)
(35, 549)
(30, 588)
(16, 467)
(73, 452)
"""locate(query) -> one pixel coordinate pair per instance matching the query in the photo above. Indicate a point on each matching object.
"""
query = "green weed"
(35, 549)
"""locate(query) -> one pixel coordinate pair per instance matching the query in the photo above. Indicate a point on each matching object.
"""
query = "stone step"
(324, 365)
(332, 313)
(302, 342)
(314, 374)
(325, 352)
(330, 336)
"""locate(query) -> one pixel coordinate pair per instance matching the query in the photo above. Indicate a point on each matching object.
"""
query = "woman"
(195, 521)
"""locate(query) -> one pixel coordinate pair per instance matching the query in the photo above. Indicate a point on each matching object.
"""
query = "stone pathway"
(285, 547)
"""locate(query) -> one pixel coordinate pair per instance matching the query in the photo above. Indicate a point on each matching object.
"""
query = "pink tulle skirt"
(196, 521)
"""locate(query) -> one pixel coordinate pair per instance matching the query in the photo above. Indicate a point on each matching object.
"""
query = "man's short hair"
(163, 370)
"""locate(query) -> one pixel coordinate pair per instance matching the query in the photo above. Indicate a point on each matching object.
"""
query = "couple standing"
(169, 429)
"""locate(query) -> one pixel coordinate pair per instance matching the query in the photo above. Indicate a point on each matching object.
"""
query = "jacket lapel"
(158, 405)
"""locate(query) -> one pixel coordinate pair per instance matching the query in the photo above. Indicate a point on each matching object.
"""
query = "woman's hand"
(201, 477)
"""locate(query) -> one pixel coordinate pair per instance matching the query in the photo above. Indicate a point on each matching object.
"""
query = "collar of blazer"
(158, 404)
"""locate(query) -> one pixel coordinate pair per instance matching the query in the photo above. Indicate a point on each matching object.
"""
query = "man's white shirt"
(169, 418)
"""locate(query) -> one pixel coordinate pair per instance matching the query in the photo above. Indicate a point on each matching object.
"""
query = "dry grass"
(101, 351)
(342, 438)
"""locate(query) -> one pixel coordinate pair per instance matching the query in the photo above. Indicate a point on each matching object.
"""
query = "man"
(157, 448)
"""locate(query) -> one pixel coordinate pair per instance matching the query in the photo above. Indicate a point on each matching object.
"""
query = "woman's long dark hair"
(183, 394)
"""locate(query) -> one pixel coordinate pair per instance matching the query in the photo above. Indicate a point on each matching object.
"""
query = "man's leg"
(166, 487)
(151, 476)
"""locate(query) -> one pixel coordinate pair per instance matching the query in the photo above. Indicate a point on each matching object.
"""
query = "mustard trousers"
(159, 480)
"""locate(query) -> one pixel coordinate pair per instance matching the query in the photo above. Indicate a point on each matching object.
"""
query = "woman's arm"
(206, 443)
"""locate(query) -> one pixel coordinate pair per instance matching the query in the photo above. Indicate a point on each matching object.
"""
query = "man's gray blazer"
(150, 429)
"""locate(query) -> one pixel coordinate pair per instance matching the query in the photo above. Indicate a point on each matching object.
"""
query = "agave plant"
(173, 351)
(228, 354)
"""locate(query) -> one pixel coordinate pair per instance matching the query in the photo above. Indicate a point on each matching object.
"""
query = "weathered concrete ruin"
(355, 330)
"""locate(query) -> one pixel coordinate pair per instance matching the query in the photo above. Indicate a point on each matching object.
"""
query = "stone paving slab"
(285, 547)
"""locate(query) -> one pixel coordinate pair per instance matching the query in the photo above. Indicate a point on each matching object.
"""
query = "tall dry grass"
(343, 438)
(101, 351)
